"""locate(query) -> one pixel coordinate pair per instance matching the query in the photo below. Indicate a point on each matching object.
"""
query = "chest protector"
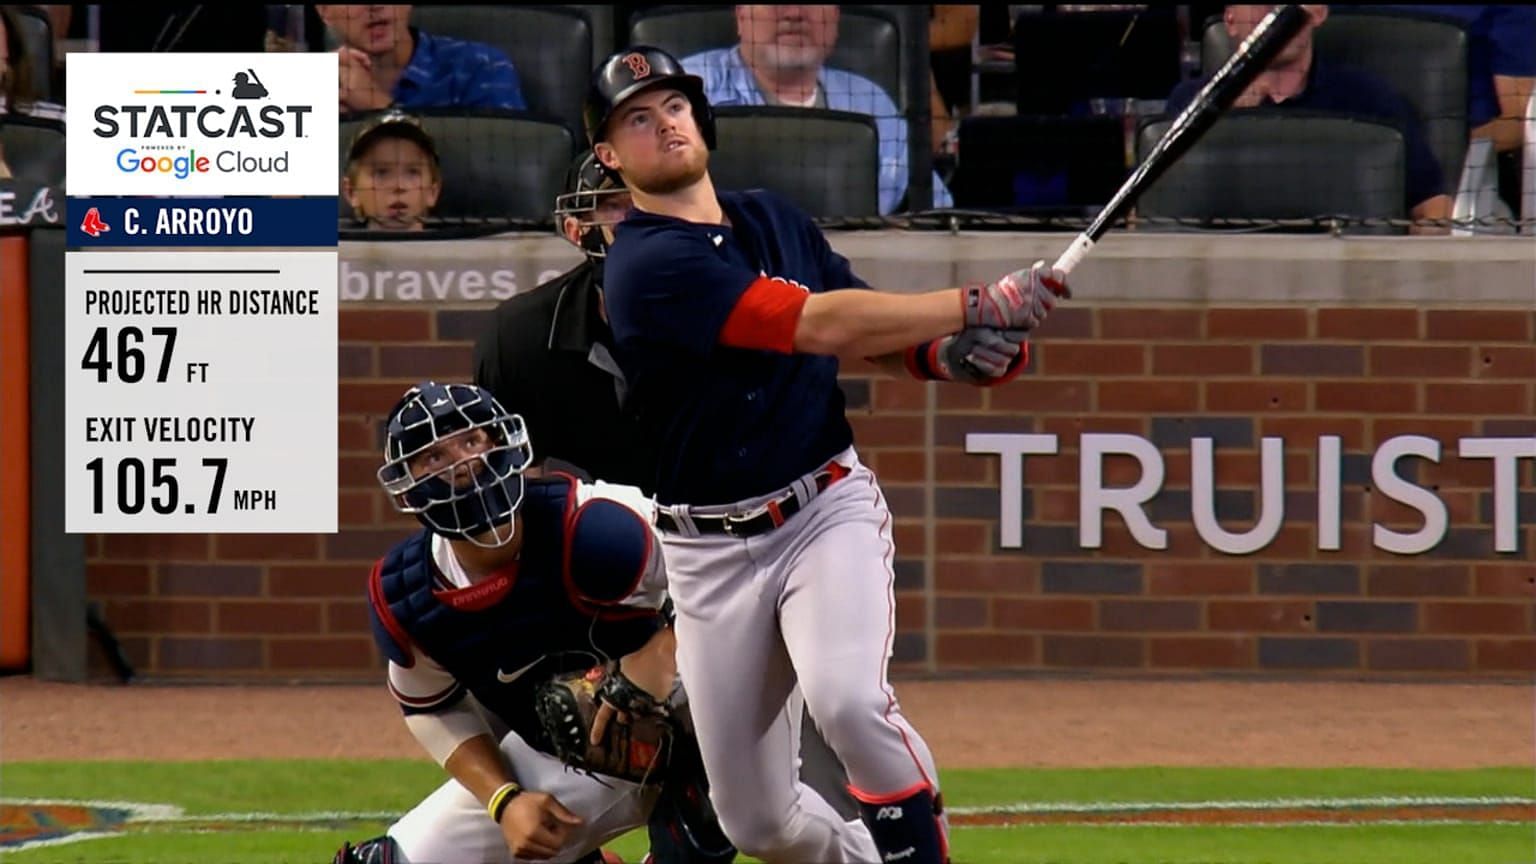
(503, 637)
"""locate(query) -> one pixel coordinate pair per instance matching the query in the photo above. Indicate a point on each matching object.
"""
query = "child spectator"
(393, 175)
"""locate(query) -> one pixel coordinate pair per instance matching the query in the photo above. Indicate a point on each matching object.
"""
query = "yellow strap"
(498, 800)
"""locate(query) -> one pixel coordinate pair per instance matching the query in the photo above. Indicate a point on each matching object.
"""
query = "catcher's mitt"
(638, 750)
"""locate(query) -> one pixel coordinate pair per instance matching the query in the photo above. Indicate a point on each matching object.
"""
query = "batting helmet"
(462, 491)
(633, 70)
(587, 183)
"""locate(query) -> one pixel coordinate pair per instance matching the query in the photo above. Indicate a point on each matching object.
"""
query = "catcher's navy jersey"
(501, 638)
(727, 423)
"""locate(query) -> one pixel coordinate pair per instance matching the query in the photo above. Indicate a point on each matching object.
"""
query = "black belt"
(760, 519)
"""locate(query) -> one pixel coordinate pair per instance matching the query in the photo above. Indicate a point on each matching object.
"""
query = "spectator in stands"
(1295, 80)
(1501, 75)
(780, 61)
(1501, 66)
(385, 61)
(951, 32)
(393, 176)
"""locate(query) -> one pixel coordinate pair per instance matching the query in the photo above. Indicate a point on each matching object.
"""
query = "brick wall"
(292, 606)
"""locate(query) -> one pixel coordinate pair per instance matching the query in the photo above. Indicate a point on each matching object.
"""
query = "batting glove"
(977, 355)
(1018, 301)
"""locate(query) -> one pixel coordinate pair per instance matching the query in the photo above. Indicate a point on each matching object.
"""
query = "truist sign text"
(1095, 498)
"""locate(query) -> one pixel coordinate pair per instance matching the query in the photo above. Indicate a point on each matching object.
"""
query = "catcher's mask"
(454, 459)
(587, 184)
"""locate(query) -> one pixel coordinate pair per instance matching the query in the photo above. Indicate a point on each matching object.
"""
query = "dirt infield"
(969, 724)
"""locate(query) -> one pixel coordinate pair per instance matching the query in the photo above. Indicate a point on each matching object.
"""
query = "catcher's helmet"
(461, 492)
(586, 184)
(633, 70)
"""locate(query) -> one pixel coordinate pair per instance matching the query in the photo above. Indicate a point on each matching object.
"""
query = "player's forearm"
(857, 323)
(893, 363)
(662, 644)
(653, 667)
(479, 767)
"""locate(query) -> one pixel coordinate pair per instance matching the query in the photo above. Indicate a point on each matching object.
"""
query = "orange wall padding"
(15, 455)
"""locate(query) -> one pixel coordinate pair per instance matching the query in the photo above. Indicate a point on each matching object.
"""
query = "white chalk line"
(171, 816)
(1369, 803)
(1299, 823)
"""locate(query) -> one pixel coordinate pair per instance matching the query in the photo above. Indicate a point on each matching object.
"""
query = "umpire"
(547, 354)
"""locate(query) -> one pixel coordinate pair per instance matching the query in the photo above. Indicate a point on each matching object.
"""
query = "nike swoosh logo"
(508, 679)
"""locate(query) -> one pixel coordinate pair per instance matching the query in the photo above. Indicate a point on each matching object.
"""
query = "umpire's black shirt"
(547, 355)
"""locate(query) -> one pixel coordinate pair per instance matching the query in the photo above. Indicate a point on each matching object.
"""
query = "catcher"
(530, 612)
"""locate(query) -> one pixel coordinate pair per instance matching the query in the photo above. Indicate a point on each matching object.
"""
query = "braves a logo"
(638, 65)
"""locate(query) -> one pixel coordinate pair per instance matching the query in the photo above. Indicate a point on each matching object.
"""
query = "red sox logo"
(638, 65)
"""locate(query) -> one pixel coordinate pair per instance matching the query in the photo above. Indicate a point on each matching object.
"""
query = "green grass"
(299, 787)
(974, 788)
(294, 786)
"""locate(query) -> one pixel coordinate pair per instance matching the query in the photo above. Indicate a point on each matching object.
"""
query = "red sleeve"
(765, 317)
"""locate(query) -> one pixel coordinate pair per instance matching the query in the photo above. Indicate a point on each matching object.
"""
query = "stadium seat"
(34, 148)
(37, 35)
(549, 45)
(604, 23)
(495, 165)
(827, 162)
(1424, 57)
(869, 39)
(1282, 166)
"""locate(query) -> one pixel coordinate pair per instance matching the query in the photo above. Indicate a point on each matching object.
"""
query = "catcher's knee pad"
(379, 850)
(907, 825)
(683, 827)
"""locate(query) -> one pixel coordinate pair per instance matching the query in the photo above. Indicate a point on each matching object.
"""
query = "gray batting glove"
(1018, 301)
(977, 354)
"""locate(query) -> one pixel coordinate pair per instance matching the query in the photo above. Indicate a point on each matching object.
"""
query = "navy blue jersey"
(727, 423)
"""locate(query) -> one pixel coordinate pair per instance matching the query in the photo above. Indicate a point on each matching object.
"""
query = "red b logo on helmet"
(638, 65)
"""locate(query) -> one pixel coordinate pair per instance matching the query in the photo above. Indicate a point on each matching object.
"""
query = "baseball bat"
(1211, 102)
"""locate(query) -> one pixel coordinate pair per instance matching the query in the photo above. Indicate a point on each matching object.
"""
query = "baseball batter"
(730, 312)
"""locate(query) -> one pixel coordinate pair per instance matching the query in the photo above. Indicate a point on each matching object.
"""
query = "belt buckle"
(732, 520)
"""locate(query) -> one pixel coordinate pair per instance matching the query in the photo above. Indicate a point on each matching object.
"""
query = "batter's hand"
(977, 354)
(536, 825)
(1018, 301)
